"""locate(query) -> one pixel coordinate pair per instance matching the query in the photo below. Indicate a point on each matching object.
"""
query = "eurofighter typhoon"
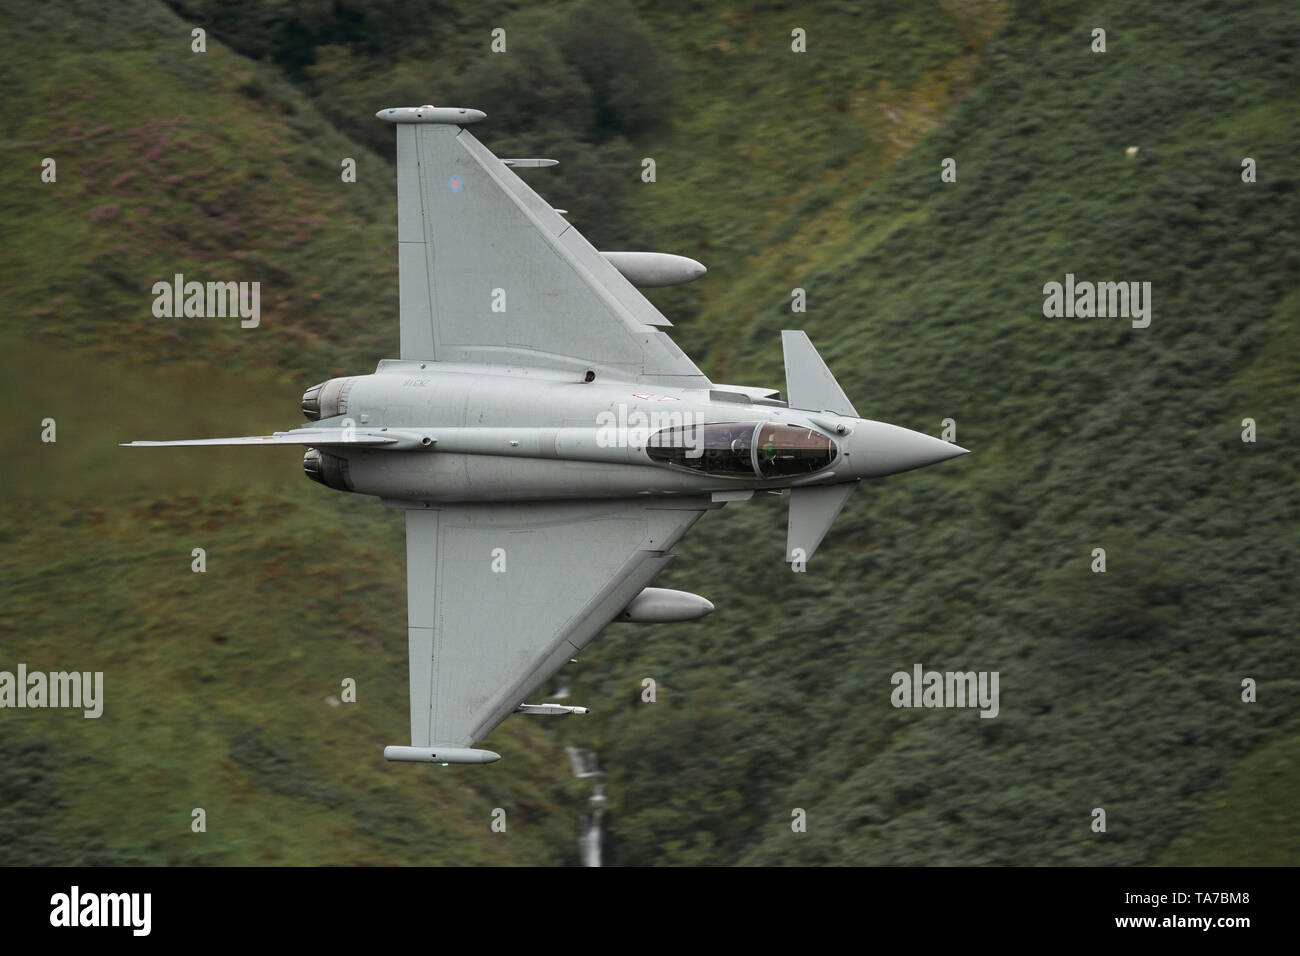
(548, 442)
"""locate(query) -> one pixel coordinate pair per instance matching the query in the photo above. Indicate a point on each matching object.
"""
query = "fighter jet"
(547, 441)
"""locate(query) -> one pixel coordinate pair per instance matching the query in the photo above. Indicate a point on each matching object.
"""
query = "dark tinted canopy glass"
(720, 448)
(791, 450)
(742, 449)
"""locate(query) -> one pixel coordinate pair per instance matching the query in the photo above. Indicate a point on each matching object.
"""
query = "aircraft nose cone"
(877, 449)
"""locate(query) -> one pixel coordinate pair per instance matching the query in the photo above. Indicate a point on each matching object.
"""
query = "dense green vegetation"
(777, 170)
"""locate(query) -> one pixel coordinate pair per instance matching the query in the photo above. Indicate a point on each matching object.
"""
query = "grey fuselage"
(495, 434)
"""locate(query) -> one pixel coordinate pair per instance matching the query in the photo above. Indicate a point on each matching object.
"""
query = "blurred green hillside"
(777, 170)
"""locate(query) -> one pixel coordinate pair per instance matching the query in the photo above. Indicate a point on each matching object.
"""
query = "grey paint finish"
(665, 606)
(440, 755)
(549, 456)
(493, 613)
(489, 272)
(649, 270)
(812, 512)
(422, 546)
(430, 114)
(809, 383)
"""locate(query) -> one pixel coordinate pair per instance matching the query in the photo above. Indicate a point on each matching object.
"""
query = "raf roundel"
(456, 184)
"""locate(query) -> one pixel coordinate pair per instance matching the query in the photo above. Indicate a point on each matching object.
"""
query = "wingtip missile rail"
(456, 115)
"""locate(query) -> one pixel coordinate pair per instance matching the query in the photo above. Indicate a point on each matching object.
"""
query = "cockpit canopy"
(743, 449)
